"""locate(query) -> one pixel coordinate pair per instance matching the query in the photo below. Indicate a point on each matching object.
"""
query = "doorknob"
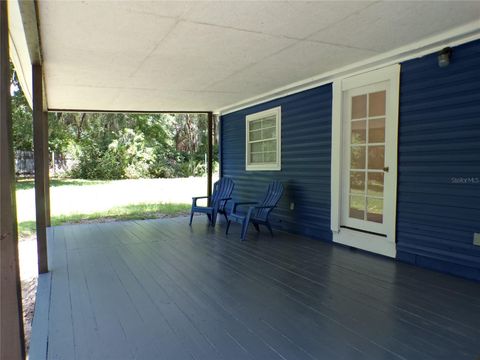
(386, 168)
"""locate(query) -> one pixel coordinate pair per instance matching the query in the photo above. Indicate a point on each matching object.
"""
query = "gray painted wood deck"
(162, 290)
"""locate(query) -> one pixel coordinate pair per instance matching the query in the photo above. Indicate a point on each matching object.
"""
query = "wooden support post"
(218, 137)
(12, 344)
(39, 159)
(47, 172)
(209, 155)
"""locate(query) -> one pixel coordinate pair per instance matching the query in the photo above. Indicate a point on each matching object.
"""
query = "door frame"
(384, 245)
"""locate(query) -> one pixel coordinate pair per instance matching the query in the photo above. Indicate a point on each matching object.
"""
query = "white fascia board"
(19, 52)
(453, 37)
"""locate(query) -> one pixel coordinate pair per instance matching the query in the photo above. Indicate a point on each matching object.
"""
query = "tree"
(116, 145)
(22, 125)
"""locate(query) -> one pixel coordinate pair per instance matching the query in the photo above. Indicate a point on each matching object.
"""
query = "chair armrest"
(200, 197)
(264, 207)
(194, 199)
(236, 204)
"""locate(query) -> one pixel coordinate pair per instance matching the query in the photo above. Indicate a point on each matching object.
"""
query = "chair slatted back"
(272, 197)
(222, 189)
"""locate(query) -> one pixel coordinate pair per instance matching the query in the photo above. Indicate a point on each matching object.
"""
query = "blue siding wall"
(438, 207)
(439, 162)
(305, 174)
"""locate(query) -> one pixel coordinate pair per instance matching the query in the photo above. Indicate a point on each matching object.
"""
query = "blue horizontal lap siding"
(306, 156)
(439, 144)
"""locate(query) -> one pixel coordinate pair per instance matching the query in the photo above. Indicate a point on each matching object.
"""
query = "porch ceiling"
(136, 55)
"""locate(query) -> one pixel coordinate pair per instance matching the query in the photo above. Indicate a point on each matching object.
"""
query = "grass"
(77, 200)
(26, 184)
(119, 213)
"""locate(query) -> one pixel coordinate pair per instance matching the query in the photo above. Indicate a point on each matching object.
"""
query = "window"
(263, 140)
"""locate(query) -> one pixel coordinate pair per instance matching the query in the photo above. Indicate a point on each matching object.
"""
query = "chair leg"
(245, 224)
(191, 217)
(269, 228)
(209, 219)
(228, 226)
(214, 218)
(225, 215)
(256, 227)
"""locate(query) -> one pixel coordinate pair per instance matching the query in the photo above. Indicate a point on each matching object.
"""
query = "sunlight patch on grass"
(119, 213)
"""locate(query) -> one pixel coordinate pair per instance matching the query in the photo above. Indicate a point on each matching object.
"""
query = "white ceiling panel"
(389, 25)
(201, 55)
(296, 19)
(300, 61)
(190, 58)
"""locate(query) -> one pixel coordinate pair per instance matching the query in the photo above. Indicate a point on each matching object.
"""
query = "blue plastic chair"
(258, 213)
(222, 190)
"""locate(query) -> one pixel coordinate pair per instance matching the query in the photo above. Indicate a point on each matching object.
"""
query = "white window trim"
(368, 242)
(277, 111)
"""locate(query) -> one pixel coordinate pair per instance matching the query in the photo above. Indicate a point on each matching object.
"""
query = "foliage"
(118, 146)
(22, 119)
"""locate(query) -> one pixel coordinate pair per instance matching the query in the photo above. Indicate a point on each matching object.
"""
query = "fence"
(24, 163)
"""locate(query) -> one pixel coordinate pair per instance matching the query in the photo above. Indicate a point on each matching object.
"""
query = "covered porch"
(159, 289)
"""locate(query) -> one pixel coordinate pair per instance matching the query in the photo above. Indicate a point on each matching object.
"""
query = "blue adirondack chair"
(222, 190)
(257, 213)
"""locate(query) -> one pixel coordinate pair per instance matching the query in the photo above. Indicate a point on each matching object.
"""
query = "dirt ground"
(27, 249)
(29, 290)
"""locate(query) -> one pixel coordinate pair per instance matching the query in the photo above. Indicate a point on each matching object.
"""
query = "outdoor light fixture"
(444, 57)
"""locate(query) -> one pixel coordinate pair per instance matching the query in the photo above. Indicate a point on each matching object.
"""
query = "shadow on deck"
(159, 289)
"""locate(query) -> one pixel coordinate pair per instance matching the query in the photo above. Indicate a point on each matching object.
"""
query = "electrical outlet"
(292, 206)
(476, 239)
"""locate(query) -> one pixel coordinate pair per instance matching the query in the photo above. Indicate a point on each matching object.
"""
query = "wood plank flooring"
(159, 289)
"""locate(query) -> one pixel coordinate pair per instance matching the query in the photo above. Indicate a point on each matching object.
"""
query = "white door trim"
(369, 242)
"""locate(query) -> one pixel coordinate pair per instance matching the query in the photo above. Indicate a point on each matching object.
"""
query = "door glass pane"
(357, 207)
(376, 131)
(375, 184)
(357, 182)
(357, 157)
(375, 210)
(376, 156)
(376, 104)
(359, 107)
(367, 157)
(359, 132)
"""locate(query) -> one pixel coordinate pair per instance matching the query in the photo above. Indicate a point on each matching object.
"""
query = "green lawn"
(76, 201)
(129, 212)
(26, 184)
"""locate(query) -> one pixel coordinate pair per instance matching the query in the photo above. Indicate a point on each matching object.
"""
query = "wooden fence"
(24, 163)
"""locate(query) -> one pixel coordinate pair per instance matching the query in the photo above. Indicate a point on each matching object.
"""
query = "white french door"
(367, 165)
